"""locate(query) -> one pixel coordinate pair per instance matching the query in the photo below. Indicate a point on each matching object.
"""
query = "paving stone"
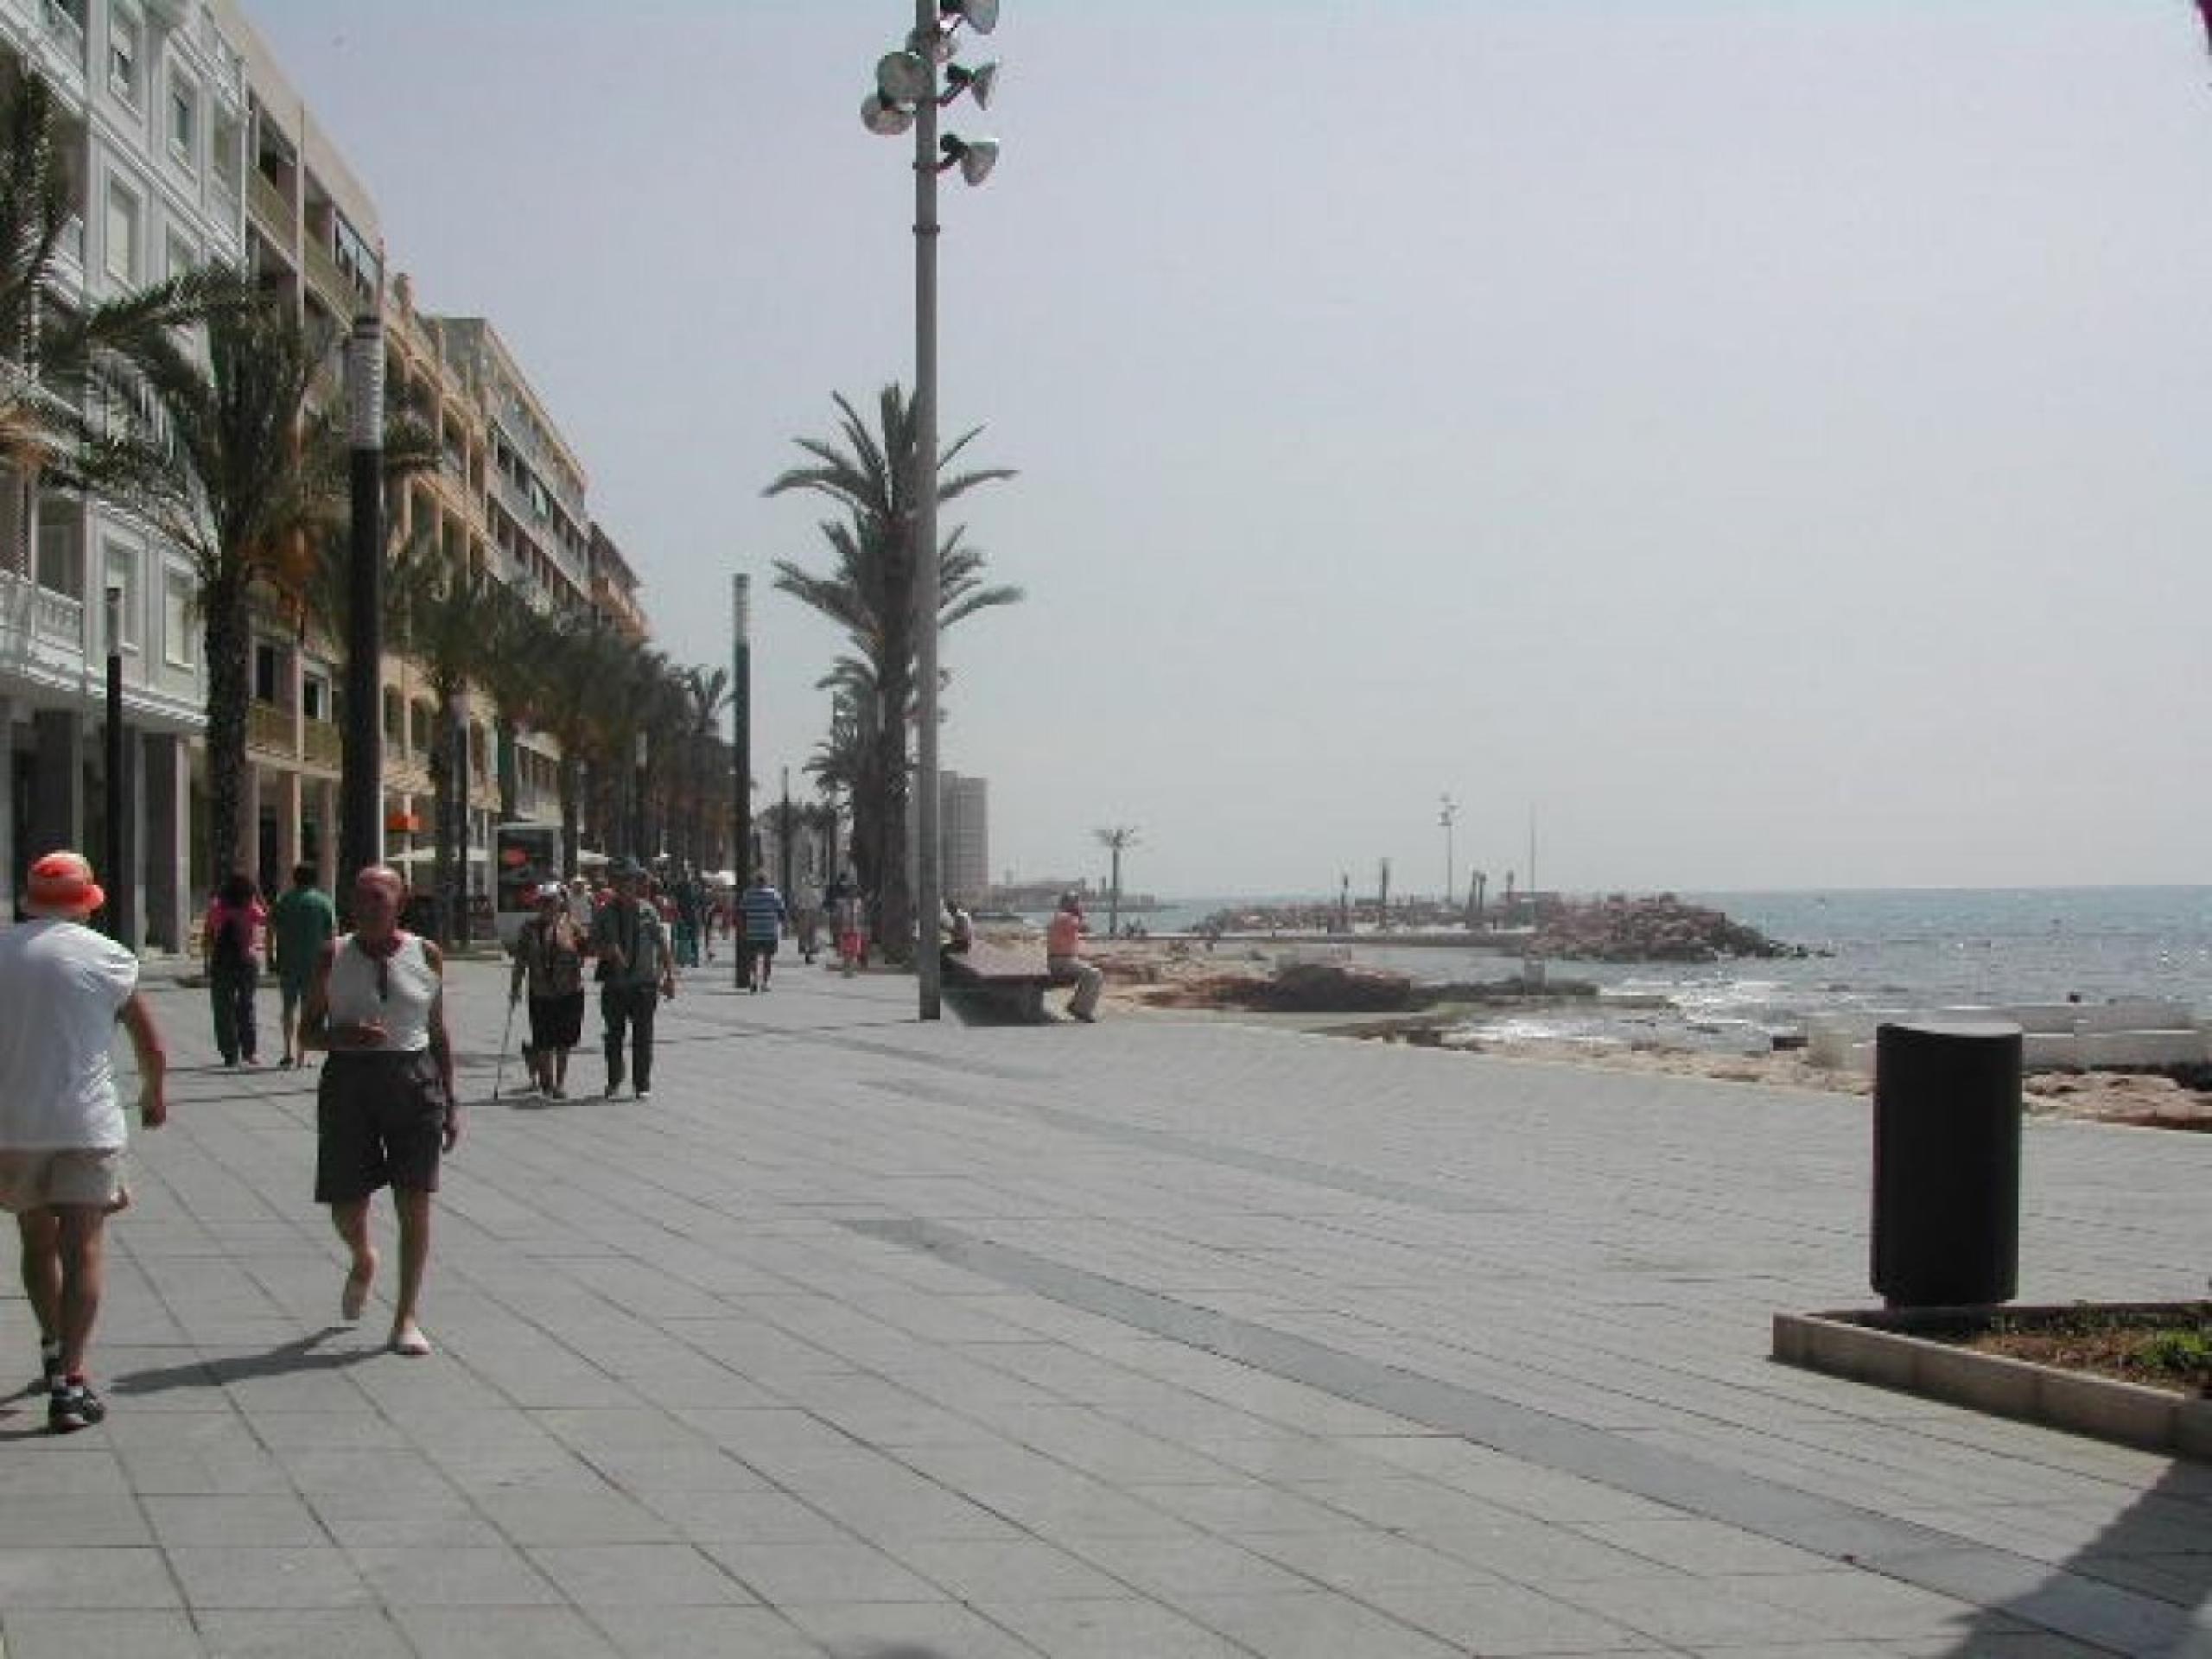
(1225, 1340)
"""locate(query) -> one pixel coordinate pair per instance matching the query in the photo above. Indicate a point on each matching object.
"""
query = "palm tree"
(48, 345)
(1114, 838)
(706, 693)
(869, 592)
(438, 610)
(229, 455)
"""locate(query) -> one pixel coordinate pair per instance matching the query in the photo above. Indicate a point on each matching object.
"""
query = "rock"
(1657, 928)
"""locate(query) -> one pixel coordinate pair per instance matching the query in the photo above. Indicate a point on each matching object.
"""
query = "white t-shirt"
(62, 986)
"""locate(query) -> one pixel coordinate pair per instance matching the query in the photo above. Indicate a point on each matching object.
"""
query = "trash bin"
(1946, 1162)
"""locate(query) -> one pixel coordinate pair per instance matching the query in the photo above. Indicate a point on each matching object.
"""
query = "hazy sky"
(1771, 444)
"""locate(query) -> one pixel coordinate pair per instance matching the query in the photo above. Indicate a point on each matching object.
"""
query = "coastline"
(1178, 978)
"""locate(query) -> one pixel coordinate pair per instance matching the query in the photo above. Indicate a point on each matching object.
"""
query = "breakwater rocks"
(1347, 987)
(1655, 928)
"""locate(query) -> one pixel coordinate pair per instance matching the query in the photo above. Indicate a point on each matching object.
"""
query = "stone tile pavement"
(865, 1337)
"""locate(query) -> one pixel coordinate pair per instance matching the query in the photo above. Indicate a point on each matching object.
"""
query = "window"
(184, 119)
(177, 643)
(269, 673)
(122, 233)
(124, 33)
(123, 573)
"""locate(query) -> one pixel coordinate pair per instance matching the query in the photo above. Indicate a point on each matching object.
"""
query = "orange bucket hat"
(61, 884)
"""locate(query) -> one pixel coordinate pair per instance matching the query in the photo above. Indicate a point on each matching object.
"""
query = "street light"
(908, 94)
(111, 852)
(360, 785)
(1446, 817)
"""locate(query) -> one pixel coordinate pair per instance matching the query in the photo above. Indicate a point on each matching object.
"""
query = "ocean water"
(1876, 950)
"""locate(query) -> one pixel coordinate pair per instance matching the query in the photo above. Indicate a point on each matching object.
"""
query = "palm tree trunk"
(227, 635)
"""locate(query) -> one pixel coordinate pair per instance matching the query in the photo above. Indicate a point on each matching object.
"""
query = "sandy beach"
(1178, 978)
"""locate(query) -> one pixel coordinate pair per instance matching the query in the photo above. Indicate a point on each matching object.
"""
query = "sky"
(1748, 444)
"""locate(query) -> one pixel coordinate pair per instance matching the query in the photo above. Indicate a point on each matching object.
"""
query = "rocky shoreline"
(1174, 977)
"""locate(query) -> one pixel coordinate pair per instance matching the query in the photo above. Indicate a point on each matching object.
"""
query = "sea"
(1909, 949)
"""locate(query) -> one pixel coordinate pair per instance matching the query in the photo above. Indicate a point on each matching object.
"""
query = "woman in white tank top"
(386, 1112)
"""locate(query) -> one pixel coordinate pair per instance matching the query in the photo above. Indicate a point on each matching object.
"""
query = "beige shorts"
(79, 1175)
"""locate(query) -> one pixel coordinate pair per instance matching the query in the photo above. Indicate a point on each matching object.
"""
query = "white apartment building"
(155, 121)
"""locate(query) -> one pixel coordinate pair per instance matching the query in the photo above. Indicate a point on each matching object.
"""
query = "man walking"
(64, 987)
(636, 970)
(762, 908)
(300, 923)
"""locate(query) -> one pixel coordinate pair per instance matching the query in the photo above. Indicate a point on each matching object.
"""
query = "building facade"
(154, 118)
(184, 143)
(964, 836)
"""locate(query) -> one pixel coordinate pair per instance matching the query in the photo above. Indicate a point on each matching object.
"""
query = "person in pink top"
(1062, 944)
(235, 922)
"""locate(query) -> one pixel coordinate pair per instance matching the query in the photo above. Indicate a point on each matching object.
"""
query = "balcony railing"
(68, 34)
(272, 729)
(57, 619)
(270, 206)
(326, 743)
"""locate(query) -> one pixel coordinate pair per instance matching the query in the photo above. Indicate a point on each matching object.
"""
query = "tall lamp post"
(111, 851)
(360, 782)
(908, 93)
(741, 709)
(1447, 818)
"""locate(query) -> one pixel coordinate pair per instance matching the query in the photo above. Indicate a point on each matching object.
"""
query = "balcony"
(65, 30)
(272, 730)
(270, 208)
(325, 745)
(343, 294)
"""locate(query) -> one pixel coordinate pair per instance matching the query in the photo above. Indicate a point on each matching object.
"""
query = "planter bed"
(1917, 1351)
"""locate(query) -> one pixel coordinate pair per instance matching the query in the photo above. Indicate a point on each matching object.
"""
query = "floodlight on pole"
(975, 157)
(907, 94)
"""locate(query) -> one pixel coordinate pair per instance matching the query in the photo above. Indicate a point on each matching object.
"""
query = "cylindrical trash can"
(1946, 1162)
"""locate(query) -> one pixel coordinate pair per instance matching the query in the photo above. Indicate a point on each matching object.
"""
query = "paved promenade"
(1151, 1340)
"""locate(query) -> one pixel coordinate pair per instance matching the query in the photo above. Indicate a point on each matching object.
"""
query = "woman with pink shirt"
(1063, 945)
(235, 921)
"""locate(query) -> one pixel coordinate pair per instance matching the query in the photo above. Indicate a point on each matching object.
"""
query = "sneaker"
(72, 1406)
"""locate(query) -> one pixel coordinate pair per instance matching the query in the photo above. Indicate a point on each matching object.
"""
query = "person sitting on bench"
(1063, 939)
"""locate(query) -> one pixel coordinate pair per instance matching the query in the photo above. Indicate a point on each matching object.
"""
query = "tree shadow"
(287, 1359)
(2142, 1586)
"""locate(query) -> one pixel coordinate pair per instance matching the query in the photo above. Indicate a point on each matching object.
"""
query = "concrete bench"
(1005, 972)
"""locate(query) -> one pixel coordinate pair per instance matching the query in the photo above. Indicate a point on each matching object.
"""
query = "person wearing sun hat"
(62, 1131)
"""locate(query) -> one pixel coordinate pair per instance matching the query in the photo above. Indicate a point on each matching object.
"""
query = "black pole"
(784, 836)
(360, 787)
(740, 703)
(111, 852)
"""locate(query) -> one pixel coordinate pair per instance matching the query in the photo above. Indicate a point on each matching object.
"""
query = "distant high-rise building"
(963, 828)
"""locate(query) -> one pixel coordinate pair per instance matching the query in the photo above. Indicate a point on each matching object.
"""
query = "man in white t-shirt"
(62, 1124)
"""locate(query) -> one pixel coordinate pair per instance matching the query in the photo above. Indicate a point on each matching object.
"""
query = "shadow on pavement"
(285, 1359)
(2142, 1586)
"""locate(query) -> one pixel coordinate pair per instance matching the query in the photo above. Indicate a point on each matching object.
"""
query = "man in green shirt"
(302, 920)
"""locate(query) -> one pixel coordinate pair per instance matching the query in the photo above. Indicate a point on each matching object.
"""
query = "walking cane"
(499, 1072)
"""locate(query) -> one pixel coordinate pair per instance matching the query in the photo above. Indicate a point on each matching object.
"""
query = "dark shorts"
(557, 1021)
(380, 1121)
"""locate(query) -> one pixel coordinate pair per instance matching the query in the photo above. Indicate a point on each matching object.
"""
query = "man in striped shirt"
(762, 909)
